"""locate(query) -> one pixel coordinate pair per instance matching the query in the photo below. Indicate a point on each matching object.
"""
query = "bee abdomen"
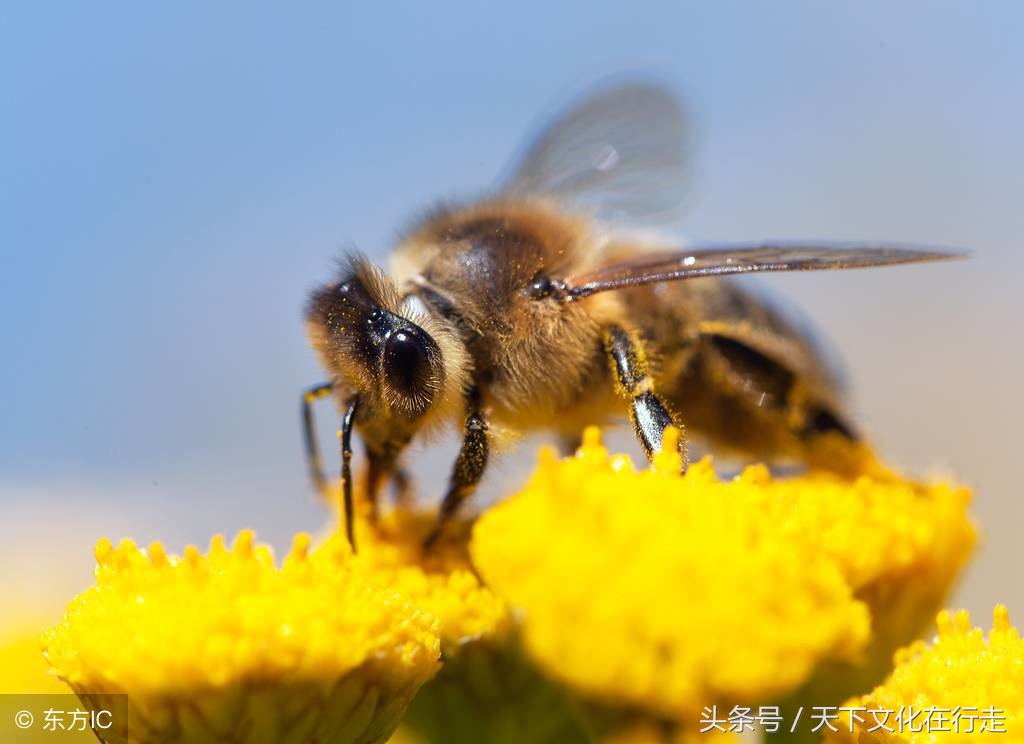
(758, 373)
(819, 421)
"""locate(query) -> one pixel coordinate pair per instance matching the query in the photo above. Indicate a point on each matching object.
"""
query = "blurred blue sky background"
(176, 177)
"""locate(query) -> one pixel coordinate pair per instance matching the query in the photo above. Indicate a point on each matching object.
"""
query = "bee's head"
(374, 346)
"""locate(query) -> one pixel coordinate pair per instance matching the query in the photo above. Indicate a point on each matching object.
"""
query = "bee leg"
(383, 466)
(346, 469)
(313, 462)
(379, 470)
(469, 468)
(631, 375)
(401, 488)
(568, 444)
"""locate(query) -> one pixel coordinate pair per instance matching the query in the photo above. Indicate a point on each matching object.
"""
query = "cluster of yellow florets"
(194, 643)
(601, 602)
(441, 581)
(962, 687)
(665, 592)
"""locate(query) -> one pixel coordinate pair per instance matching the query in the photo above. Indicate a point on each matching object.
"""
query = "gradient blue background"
(175, 178)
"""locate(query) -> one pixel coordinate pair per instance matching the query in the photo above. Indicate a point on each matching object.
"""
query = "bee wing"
(619, 154)
(745, 259)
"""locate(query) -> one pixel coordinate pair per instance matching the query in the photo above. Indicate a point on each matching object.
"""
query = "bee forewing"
(743, 259)
(619, 154)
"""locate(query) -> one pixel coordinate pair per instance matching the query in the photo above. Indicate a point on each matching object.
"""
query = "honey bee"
(531, 309)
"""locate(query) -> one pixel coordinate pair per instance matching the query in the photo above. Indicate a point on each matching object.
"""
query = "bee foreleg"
(402, 488)
(568, 444)
(345, 435)
(316, 471)
(383, 466)
(632, 379)
(313, 462)
(469, 468)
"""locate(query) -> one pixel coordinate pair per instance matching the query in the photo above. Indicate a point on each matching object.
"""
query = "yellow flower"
(601, 603)
(230, 646)
(960, 688)
(441, 581)
(900, 546)
(486, 691)
(664, 593)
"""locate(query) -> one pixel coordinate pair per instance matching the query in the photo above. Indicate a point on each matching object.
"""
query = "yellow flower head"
(899, 545)
(963, 687)
(485, 691)
(440, 580)
(229, 646)
(660, 592)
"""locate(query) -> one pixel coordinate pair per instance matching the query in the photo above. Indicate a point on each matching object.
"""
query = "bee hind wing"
(619, 154)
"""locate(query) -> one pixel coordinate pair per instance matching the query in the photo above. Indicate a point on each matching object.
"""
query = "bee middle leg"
(468, 469)
(631, 377)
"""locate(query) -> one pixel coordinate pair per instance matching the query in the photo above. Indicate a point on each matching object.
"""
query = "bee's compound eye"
(406, 362)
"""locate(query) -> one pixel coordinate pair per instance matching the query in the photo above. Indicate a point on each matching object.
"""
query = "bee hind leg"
(631, 377)
(468, 469)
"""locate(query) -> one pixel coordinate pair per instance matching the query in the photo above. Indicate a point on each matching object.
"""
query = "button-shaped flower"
(646, 590)
(228, 646)
(962, 687)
